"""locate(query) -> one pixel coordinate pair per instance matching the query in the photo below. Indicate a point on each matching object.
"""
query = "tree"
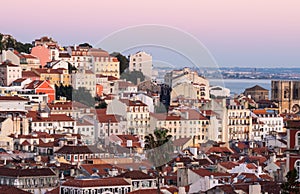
(65, 91)
(85, 45)
(161, 108)
(159, 150)
(290, 186)
(71, 68)
(1, 43)
(83, 96)
(133, 76)
(101, 105)
(124, 62)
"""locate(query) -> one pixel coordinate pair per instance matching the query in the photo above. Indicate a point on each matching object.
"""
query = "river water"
(238, 86)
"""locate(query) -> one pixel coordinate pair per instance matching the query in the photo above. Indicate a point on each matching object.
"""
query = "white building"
(9, 72)
(86, 79)
(272, 123)
(141, 61)
(51, 123)
(104, 64)
(12, 104)
(187, 83)
(10, 56)
(135, 113)
(218, 91)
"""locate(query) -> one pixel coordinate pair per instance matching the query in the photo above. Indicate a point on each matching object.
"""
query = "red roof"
(105, 182)
(219, 150)
(11, 172)
(105, 118)
(12, 98)
(8, 64)
(25, 143)
(51, 118)
(204, 172)
(133, 103)
(29, 74)
(228, 165)
(5, 189)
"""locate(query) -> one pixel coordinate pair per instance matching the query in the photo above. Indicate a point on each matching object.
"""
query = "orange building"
(42, 87)
(99, 90)
(42, 53)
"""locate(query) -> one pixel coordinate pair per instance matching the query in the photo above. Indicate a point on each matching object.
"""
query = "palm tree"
(159, 150)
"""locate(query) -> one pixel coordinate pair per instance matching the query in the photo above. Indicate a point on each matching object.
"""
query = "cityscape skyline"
(244, 34)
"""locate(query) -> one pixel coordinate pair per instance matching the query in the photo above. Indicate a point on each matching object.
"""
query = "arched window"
(297, 167)
(297, 139)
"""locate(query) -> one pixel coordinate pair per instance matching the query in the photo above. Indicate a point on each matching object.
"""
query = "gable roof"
(103, 182)
(78, 150)
(256, 87)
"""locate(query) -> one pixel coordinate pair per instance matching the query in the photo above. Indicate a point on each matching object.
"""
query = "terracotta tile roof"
(255, 88)
(34, 84)
(5, 189)
(101, 168)
(145, 191)
(135, 175)
(125, 84)
(25, 143)
(53, 191)
(228, 165)
(219, 150)
(204, 172)
(51, 118)
(105, 182)
(78, 150)
(29, 56)
(8, 64)
(165, 117)
(266, 177)
(105, 118)
(133, 103)
(45, 145)
(253, 159)
(20, 80)
(109, 78)
(12, 98)
(10, 172)
(29, 74)
(251, 166)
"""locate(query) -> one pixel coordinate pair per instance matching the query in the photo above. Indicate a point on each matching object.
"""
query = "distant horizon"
(237, 33)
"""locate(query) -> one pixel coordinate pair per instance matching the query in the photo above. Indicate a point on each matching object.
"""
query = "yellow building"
(104, 64)
(55, 76)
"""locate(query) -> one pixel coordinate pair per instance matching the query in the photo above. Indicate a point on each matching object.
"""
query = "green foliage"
(83, 96)
(25, 48)
(101, 105)
(1, 44)
(161, 108)
(65, 91)
(71, 68)
(124, 62)
(133, 76)
(85, 45)
(12, 43)
(159, 148)
(290, 186)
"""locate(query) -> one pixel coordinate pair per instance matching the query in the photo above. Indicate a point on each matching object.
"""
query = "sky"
(241, 33)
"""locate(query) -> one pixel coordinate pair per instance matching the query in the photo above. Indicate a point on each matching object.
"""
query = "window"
(297, 167)
(298, 139)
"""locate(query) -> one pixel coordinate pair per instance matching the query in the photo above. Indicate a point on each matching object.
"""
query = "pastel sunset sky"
(248, 33)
